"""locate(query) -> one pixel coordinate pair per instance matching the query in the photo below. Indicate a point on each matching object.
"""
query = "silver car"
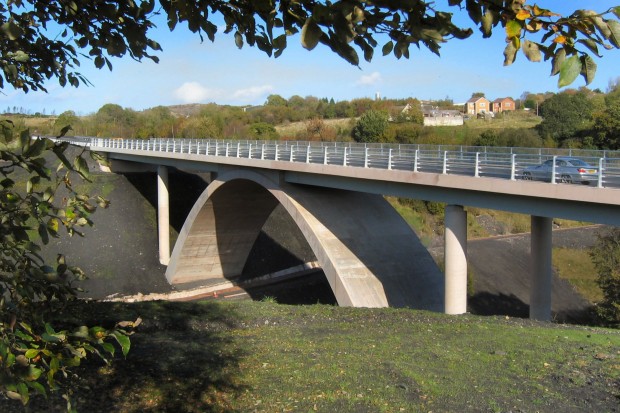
(567, 170)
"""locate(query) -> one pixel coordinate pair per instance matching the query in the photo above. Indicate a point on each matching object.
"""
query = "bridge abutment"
(455, 259)
(541, 274)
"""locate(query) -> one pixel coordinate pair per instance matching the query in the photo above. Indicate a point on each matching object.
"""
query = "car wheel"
(526, 176)
(566, 179)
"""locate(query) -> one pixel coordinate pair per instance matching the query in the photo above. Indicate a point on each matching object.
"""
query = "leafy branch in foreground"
(36, 203)
(32, 52)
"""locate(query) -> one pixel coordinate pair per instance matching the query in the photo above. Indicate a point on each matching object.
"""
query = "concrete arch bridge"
(369, 254)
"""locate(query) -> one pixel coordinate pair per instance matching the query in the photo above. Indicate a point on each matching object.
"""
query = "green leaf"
(513, 29)
(531, 51)
(12, 31)
(310, 34)
(487, 23)
(43, 233)
(387, 48)
(108, 347)
(590, 44)
(238, 39)
(614, 27)
(36, 148)
(38, 387)
(124, 342)
(32, 353)
(569, 70)
(510, 53)
(588, 69)
(53, 225)
(81, 166)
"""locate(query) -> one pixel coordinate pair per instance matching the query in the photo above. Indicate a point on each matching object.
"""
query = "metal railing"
(496, 162)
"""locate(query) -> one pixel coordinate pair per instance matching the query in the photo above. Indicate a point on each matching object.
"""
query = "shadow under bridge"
(369, 254)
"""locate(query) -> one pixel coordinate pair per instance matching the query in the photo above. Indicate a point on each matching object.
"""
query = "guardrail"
(506, 163)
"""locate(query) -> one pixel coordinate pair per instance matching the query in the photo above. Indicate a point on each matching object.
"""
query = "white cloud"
(194, 92)
(252, 93)
(369, 80)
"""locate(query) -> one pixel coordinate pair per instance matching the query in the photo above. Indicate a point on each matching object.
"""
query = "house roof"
(500, 100)
(475, 99)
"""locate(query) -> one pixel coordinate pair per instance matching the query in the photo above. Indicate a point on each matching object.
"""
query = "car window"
(577, 162)
(548, 163)
(561, 163)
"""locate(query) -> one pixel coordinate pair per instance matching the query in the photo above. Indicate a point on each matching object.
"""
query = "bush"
(606, 258)
(35, 356)
(370, 127)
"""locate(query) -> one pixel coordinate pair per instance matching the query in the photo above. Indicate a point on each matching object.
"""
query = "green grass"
(576, 266)
(264, 357)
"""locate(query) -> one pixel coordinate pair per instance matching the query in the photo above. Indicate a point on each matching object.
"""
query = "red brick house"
(477, 105)
(503, 105)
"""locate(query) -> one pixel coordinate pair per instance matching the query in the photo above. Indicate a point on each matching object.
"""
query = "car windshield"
(577, 162)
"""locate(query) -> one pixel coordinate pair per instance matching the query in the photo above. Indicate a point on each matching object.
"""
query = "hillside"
(262, 357)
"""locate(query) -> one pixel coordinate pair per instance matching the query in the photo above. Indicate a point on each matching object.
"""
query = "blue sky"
(193, 72)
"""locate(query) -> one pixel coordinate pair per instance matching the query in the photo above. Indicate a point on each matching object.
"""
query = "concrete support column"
(163, 215)
(455, 259)
(540, 278)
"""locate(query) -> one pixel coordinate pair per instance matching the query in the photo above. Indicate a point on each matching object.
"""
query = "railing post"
(445, 162)
(174, 146)
(291, 157)
(390, 159)
(553, 170)
(250, 152)
(262, 151)
(227, 145)
(344, 157)
(477, 170)
(513, 167)
(308, 153)
(600, 173)
(415, 161)
(276, 155)
(217, 144)
(325, 156)
(366, 157)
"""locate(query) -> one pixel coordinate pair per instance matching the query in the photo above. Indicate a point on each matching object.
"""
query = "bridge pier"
(163, 215)
(541, 274)
(455, 259)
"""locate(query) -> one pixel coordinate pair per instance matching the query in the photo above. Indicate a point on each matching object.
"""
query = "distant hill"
(186, 110)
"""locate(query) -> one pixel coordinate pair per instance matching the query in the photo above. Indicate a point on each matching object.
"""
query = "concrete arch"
(370, 256)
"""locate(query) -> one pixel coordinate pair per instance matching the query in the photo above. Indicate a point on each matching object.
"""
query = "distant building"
(477, 105)
(435, 116)
(503, 105)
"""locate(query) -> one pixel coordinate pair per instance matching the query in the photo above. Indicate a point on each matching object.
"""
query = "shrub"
(35, 355)
(606, 258)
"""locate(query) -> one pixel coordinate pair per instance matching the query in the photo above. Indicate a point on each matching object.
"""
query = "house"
(478, 104)
(502, 105)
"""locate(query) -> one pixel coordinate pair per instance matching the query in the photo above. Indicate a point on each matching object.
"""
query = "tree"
(606, 258)
(565, 115)
(109, 28)
(607, 122)
(64, 120)
(370, 126)
(35, 354)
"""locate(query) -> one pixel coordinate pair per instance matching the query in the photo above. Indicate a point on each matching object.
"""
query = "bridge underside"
(368, 253)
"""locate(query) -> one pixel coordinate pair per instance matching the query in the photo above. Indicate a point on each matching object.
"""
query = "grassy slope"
(264, 357)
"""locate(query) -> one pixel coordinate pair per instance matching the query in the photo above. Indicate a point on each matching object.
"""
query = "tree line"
(574, 118)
